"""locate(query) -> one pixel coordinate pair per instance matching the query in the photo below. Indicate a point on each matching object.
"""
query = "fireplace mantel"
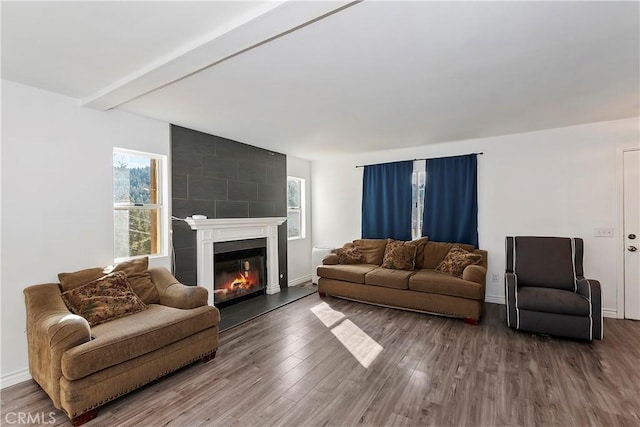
(210, 231)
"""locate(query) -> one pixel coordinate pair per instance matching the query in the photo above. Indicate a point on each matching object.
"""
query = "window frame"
(161, 228)
(418, 184)
(301, 210)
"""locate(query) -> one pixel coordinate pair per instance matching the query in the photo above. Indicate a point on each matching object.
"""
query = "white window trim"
(302, 209)
(163, 198)
(419, 168)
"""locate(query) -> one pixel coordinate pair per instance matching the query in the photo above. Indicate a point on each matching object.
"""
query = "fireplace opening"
(239, 271)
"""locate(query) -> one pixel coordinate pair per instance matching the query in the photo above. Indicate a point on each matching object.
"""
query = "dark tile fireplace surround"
(221, 178)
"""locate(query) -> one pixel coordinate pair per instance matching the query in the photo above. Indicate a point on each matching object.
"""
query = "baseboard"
(299, 280)
(610, 312)
(495, 299)
(14, 378)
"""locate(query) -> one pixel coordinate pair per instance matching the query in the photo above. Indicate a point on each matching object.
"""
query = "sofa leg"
(322, 294)
(208, 357)
(84, 418)
(471, 321)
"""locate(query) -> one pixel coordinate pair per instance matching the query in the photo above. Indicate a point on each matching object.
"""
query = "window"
(295, 208)
(418, 180)
(137, 203)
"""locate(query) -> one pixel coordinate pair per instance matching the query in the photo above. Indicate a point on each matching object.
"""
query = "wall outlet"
(495, 277)
(604, 232)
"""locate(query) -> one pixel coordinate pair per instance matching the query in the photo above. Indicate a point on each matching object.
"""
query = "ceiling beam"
(274, 20)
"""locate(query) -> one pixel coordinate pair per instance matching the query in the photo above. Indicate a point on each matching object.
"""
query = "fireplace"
(212, 232)
(239, 270)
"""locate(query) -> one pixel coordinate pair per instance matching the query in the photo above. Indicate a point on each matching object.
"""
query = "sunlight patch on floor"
(364, 348)
(326, 314)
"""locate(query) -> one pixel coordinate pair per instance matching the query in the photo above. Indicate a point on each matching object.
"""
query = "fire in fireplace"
(239, 270)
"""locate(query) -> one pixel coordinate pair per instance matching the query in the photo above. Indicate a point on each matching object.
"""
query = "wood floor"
(304, 365)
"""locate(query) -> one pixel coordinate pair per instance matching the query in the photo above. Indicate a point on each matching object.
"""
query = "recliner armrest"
(51, 330)
(175, 294)
(510, 290)
(590, 289)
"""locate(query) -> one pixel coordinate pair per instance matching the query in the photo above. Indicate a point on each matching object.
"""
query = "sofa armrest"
(51, 330)
(475, 273)
(590, 289)
(175, 294)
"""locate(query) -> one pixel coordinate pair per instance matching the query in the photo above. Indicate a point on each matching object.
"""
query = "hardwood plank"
(288, 368)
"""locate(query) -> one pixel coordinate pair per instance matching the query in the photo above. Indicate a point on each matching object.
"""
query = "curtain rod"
(413, 160)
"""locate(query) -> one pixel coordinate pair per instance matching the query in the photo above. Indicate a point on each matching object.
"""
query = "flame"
(243, 283)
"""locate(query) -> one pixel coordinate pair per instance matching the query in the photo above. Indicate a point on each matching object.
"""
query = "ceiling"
(320, 79)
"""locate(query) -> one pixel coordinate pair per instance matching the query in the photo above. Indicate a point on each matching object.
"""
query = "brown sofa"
(82, 367)
(423, 289)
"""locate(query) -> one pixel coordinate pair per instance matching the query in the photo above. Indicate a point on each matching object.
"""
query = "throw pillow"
(420, 244)
(70, 281)
(456, 260)
(107, 298)
(135, 269)
(399, 255)
(434, 252)
(372, 249)
(349, 256)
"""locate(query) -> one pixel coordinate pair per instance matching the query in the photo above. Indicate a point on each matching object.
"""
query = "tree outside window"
(137, 204)
(295, 208)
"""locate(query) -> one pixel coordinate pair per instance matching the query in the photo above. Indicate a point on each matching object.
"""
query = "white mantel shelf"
(222, 223)
(215, 230)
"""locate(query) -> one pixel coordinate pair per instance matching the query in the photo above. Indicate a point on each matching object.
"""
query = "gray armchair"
(545, 289)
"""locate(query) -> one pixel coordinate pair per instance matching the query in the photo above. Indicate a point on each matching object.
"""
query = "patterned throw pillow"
(350, 255)
(399, 255)
(104, 299)
(137, 274)
(456, 260)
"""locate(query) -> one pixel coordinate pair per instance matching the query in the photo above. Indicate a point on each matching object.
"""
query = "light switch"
(604, 232)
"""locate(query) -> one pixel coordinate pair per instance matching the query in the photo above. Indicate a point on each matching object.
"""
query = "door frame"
(620, 237)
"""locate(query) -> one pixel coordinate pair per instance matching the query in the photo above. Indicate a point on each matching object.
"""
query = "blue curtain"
(386, 201)
(451, 200)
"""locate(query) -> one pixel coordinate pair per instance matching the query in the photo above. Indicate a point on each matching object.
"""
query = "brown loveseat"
(82, 367)
(422, 289)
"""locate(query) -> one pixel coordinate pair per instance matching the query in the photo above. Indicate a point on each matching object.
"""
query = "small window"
(295, 208)
(137, 203)
(418, 181)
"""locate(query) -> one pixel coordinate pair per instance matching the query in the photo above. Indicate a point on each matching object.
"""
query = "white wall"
(557, 182)
(56, 197)
(299, 250)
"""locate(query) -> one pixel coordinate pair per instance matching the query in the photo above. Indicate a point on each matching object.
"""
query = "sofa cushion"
(434, 252)
(457, 260)
(104, 299)
(349, 273)
(388, 278)
(399, 255)
(440, 283)
(549, 300)
(349, 256)
(129, 337)
(372, 249)
(135, 269)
